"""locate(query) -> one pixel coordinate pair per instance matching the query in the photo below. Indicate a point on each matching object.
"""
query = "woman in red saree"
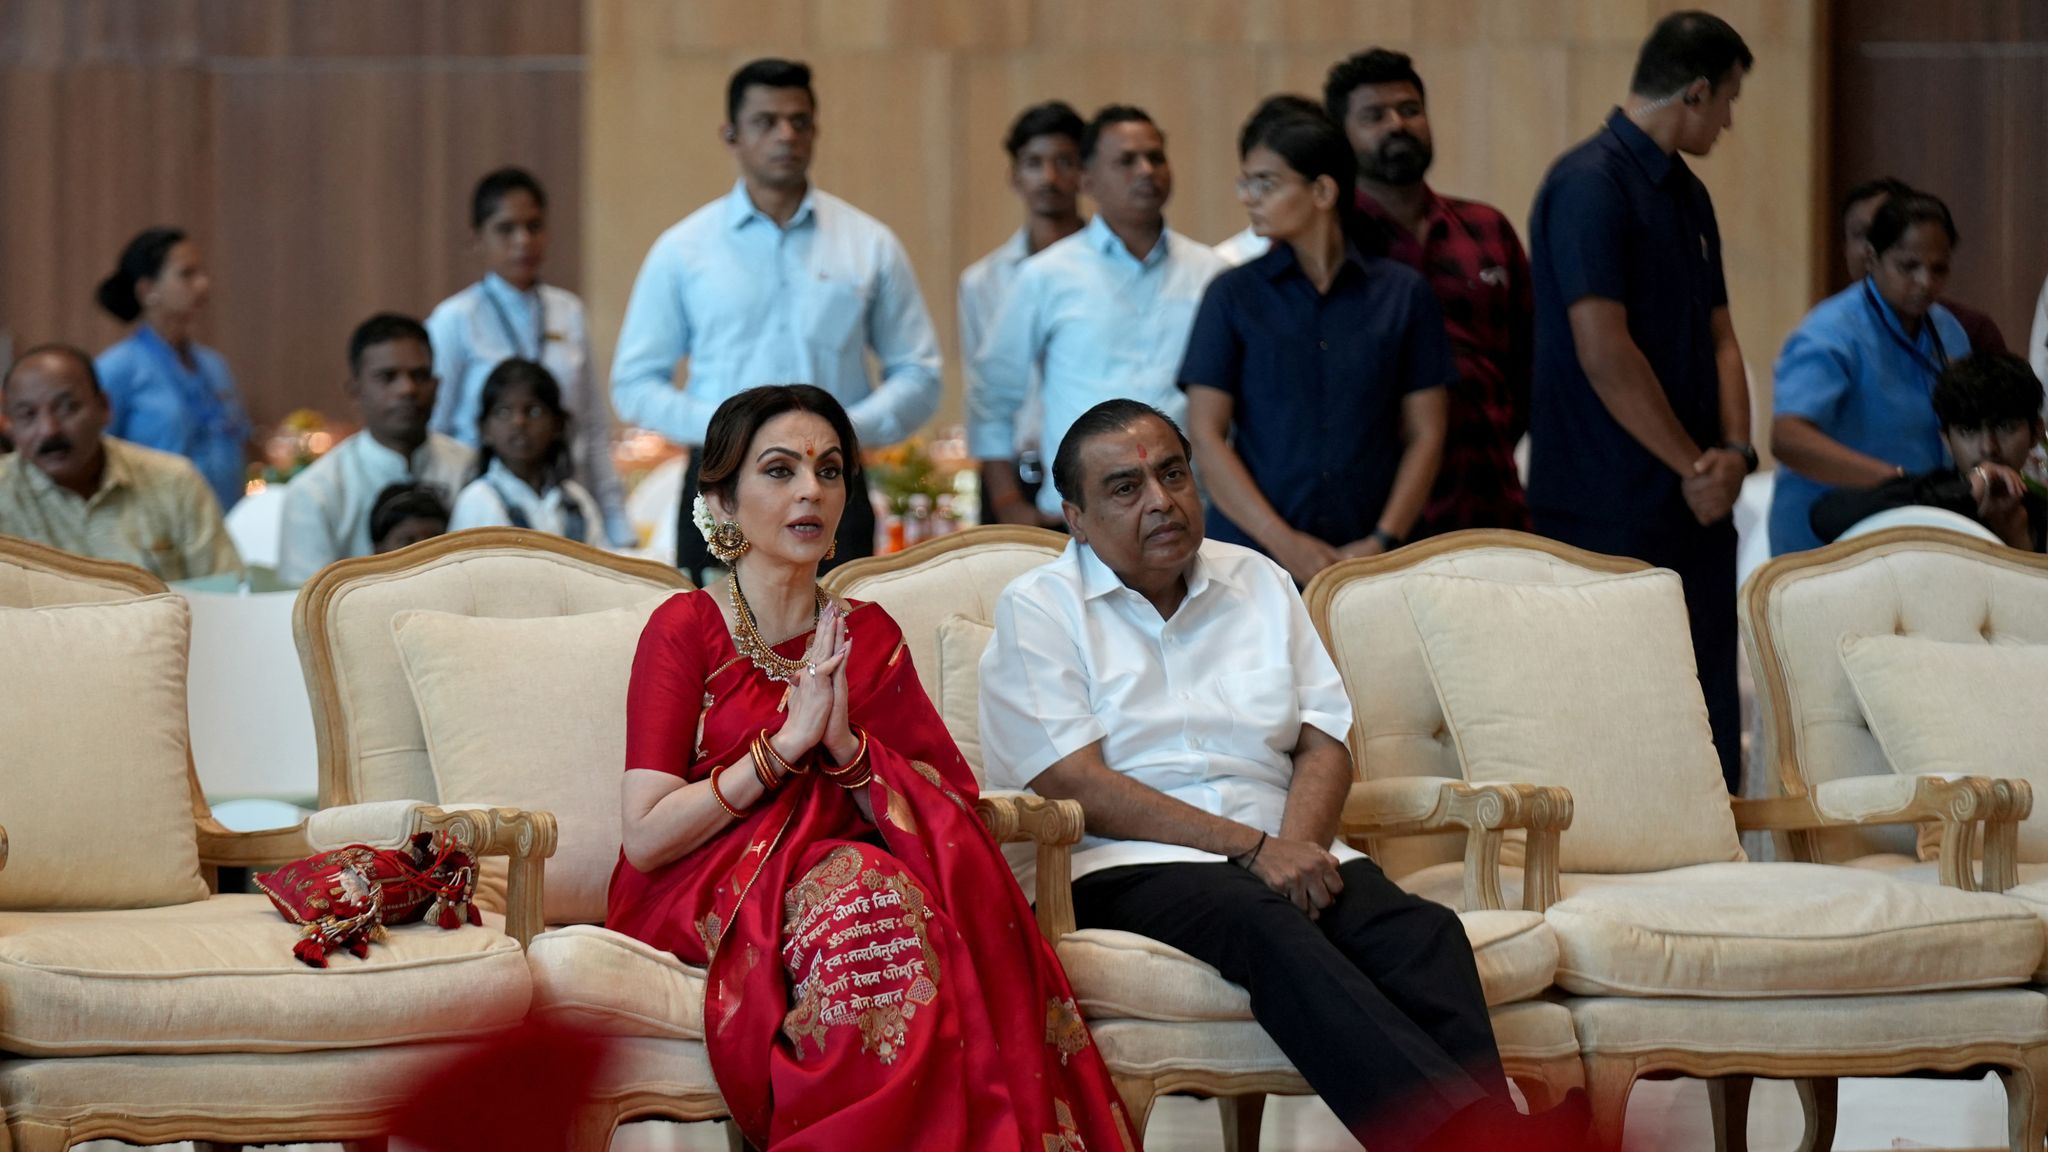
(798, 821)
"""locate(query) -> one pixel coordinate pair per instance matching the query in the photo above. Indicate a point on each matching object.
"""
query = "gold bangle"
(762, 772)
(788, 769)
(860, 782)
(859, 758)
(731, 811)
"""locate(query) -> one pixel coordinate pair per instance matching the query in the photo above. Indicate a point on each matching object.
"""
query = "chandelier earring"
(728, 543)
(725, 540)
(832, 549)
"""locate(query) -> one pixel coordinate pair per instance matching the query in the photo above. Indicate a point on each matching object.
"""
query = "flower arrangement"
(903, 471)
(300, 439)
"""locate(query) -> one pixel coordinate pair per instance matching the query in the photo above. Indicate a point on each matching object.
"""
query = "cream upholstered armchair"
(135, 1004)
(1166, 1022)
(1898, 675)
(490, 667)
(1502, 656)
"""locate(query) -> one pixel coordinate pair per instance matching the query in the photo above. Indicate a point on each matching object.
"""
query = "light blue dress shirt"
(1095, 323)
(750, 303)
(1850, 369)
(490, 322)
(192, 412)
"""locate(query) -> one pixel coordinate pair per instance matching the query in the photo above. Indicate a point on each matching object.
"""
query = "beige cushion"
(218, 975)
(94, 756)
(532, 714)
(961, 643)
(387, 747)
(1124, 975)
(1777, 930)
(597, 980)
(1588, 686)
(1947, 708)
(1830, 1030)
(1529, 1034)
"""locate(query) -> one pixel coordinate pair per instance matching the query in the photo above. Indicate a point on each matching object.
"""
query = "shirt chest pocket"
(1259, 708)
(837, 308)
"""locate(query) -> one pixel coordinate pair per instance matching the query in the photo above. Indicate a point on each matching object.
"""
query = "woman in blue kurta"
(167, 390)
(1854, 402)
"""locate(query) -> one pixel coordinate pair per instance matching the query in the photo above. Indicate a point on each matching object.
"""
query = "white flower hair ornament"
(700, 513)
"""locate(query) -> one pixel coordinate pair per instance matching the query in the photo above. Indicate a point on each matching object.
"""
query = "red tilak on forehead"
(1142, 454)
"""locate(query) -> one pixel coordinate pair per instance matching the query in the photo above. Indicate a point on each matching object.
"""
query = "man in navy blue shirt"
(1639, 432)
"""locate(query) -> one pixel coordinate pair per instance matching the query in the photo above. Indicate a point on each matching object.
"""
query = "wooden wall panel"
(916, 94)
(321, 153)
(1952, 98)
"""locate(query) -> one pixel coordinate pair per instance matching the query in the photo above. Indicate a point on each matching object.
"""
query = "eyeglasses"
(1263, 184)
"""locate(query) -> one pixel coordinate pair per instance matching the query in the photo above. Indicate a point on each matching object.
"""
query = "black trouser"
(1704, 558)
(856, 528)
(1377, 1002)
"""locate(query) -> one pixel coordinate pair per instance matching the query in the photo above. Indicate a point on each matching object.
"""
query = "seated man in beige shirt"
(72, 487)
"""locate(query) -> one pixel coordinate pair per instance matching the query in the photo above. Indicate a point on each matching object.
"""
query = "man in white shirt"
(1045, 172)
(1104, 313)
(392, 382)
(1176, 688)
(775, 283)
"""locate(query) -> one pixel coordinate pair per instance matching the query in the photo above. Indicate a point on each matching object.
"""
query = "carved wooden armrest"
(1422, 805)
(1055, 826)
(1975, 813)
(525, 838)
(222, 847)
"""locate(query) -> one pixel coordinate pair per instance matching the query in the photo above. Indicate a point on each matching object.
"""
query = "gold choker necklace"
(746, 638)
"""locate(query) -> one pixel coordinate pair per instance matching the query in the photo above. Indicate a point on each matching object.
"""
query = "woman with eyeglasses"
(1315, 374)
(1853, 405)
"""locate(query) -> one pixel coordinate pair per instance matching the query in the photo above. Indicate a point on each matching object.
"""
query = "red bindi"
(810, 448)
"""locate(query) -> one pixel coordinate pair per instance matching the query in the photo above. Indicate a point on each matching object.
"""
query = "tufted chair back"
(1398, 726)
(1919, 581)
(926, 587)
(372, 745)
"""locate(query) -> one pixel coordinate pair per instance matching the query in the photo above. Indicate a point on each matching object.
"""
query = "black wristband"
(1246, 859)
(1387, 539)
(1746, 450)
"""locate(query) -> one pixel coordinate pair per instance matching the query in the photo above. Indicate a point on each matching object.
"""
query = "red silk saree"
(871, 986)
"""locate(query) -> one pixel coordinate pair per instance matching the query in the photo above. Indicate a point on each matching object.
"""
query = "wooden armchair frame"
(1972, 810)
(1979, 816)
(527, 838)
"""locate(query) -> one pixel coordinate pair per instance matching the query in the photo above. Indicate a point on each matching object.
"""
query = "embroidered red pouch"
(343, 899)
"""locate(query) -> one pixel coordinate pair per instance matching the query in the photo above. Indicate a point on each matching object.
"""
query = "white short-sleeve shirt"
(1205, 706)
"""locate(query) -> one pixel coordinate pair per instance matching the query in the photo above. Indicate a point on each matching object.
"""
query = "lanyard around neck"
(1936, 364)
(511, 332)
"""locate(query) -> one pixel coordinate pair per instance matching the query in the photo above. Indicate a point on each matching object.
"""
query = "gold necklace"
(746, 638)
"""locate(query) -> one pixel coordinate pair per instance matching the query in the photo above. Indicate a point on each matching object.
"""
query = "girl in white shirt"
(523, 460)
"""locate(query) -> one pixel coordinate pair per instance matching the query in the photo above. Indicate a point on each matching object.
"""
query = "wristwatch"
(1388, 540)
(1744, 449)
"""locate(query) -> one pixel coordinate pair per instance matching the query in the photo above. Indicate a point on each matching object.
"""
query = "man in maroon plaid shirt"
(1472, 258)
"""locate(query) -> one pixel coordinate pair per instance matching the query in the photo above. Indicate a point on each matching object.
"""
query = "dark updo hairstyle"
(1295, 129)
(493, 188)
(1899, 213)
(736, 422)
(142, 259)
(401, 502)
(508, 375)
